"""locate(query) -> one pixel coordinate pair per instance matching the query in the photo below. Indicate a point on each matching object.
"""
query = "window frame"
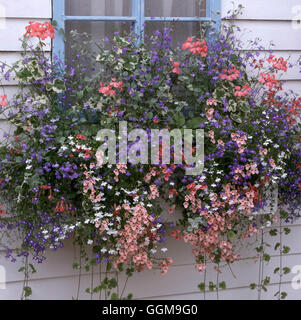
(213, 9)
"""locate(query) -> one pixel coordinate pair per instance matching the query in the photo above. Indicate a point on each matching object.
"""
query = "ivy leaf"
(273, 232)
(194, 123)
(287, 230)
(252, 286)
(266, 257)
(286, 270)
(236, 118)
(212, 286)
(114, 296)
(283, 214)
(222, 285)
(27, 291)
(201, 286)
(231, 234)
(244, 108)
(283, 295)
(286, 249)
(80, 94)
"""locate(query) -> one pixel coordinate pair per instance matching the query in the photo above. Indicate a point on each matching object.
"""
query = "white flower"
(90, 242)
(103, 250)
(164, 249)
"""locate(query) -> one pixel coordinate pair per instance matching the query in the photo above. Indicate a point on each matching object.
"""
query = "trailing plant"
(56, 180)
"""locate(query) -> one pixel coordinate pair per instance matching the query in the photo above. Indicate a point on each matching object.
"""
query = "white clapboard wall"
(55, 279)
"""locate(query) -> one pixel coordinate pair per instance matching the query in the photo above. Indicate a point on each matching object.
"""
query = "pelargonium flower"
(40, 30)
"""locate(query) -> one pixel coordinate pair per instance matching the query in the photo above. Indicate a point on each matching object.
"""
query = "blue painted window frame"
(213, 9)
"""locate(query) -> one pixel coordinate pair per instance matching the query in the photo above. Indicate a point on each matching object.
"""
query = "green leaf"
(287, 230)
(273, 232)
(286, 270)
(222, 285)
(276, 270)
(80, 94)
(27, 291)
(266, 281)
(259, 249)
(114, 296)
(194, 123)
(244, 108)
(202, 286)
(150, 115)
(277, 245)
(231, 234)
(266, 257)
(286, 249)
(283, 214)
(212, 286)
(283, 295)
(252, 286)
(236, 118)
(179, 119)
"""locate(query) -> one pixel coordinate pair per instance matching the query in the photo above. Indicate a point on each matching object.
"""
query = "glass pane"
(98, 7)
(99, 30)
(180, 30)
(175, 8)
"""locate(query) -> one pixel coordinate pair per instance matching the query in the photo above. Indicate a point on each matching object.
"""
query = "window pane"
(99, 30)
(98, 7)
(175, 8)
(180, 30)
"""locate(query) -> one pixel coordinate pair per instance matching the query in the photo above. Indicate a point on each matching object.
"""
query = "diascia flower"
(3, 103)
(40, 30)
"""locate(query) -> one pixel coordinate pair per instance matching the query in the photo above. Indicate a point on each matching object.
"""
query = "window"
(102, 18)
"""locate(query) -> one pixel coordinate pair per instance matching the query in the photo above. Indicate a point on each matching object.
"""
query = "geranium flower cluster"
(40, 30)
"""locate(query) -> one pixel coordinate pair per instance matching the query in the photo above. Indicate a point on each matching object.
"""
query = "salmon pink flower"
(3, 103)
(40, 30)
(210, 113)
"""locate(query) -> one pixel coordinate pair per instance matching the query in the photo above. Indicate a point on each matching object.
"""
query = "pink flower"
(211, 102)
(40, 30)
(209, 114)
(242, 91)
(272, 163)
(196, 46)
(211, 135)
(99, 158)
(176, 66)
(231, 74)
(3, 103)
